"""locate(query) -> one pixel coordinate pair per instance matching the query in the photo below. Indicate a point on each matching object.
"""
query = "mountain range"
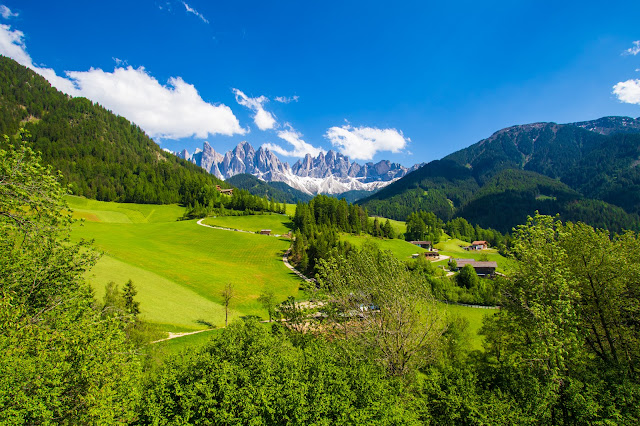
(328, 173)
(584, 171)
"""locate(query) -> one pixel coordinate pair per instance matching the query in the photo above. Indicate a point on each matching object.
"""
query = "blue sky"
(410, 82)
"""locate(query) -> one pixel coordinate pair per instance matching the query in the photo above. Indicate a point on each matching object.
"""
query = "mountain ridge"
(597, 159)
(328, 173)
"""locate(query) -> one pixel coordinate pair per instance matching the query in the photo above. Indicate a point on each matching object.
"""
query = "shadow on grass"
(204, 322)
(250, 317)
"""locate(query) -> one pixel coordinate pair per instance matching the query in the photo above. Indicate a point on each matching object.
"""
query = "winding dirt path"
(221, 228)
(176, 335)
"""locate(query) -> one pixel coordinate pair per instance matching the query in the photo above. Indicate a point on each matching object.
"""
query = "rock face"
(609, 125)
(330, 173)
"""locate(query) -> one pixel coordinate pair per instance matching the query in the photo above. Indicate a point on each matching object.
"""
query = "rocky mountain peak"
(329, 172)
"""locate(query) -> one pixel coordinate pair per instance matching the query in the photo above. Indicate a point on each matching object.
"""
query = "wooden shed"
(482, 268)
(423, 244)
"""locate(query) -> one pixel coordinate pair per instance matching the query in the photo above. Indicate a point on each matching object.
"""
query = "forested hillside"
(586, 175)
(100, 155)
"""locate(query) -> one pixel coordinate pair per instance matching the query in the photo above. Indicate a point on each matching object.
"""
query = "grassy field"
(400, 227)
(400, 248)
(162, 301)
(474, 316)
(290, 210)
(278, 223)
(101, 211)
(179, 267)
(192, 341)
(453, 247)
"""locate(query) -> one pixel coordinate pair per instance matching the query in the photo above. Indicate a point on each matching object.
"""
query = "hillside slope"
(594, 160)
(101, 155)
(278, 191)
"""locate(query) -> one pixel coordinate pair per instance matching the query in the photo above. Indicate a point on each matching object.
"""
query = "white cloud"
(628, 91)
(195, 12)
(263, 119)
(633, 50)
(173, 111)
(12, 46)
(362, 143)
(6, 12)
(300, 147)
(286, 100)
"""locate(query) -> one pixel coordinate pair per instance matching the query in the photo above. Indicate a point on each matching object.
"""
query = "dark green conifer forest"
(100, 155)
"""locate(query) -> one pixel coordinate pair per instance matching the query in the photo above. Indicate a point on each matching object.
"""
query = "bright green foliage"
(452, 264)
(61, 360)
(373, 298)
(568, 327)
(268, 301)
(67, 365)
(467, 277)
(247, 375)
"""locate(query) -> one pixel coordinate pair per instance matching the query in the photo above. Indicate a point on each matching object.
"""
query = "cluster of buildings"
(482, 268)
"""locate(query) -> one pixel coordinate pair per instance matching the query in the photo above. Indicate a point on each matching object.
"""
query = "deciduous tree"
(375, 299)
(227, 294)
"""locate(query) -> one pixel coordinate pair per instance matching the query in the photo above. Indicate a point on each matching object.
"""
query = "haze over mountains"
(330, 173)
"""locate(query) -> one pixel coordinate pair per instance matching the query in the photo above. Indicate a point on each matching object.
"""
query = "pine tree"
(131, 306)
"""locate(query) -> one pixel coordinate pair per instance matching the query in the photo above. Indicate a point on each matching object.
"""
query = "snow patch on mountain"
(330, 173)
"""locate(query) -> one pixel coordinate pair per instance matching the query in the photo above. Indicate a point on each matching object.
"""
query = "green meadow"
(400, 248)
(474, 316)
(102, 211)
(454, 248)
(278, 223)
(290, 209)
(179, 267)
(400, 227)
